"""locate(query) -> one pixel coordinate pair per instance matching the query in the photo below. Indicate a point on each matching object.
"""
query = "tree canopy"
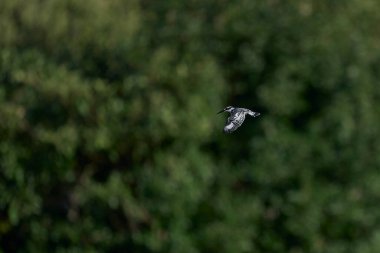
(110, 142)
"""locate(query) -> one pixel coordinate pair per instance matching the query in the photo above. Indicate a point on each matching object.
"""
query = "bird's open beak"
(221, 111)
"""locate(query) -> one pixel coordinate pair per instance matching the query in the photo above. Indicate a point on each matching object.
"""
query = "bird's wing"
(234, 121)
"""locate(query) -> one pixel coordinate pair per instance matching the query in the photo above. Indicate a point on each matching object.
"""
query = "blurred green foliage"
(109, 140)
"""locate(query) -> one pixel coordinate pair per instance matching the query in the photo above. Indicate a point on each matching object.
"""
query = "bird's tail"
(253, 114)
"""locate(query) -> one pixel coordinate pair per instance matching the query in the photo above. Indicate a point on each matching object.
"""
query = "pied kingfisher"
(236, 118)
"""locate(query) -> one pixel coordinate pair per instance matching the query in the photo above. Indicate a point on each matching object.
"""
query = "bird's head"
(227, 109)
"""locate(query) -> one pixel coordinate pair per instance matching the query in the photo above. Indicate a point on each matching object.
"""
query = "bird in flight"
(236, 118)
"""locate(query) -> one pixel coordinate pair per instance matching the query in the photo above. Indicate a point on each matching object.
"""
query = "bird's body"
(236, 118)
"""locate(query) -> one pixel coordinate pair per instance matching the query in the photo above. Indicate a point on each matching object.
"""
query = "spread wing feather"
(234, 121)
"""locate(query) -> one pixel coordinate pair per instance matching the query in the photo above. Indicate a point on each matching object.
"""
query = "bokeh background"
(110, 142)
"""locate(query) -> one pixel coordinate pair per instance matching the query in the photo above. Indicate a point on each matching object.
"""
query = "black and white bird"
(236, 118)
